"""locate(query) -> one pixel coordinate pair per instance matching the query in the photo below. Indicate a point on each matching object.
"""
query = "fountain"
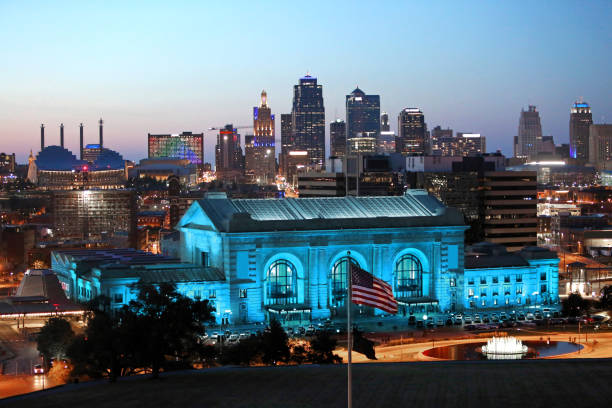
(504, 348)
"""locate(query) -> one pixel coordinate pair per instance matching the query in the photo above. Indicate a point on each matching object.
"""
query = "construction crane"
(233, 127)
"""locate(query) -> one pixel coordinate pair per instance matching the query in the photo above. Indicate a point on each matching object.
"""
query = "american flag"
(370, 291)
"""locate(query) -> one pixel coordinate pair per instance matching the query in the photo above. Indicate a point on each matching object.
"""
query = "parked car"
(477, 318)
(412, 320)
(439, 322)
(468, 319)
(521, 316)
(38, 369)
(430, 323)
(530, 316)
(420, 324)
(246, 335)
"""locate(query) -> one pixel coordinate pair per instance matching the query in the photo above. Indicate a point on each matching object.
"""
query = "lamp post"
(535, 295)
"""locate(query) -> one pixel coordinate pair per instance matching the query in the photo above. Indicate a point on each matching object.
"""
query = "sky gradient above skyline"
(167, 67)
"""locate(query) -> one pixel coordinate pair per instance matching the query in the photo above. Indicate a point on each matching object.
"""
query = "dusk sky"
(171, 66)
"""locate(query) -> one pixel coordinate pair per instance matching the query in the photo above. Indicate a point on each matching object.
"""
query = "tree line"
(162, 330)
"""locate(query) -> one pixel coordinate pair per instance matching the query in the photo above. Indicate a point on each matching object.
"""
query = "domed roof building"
(57, 158)
(109, 160)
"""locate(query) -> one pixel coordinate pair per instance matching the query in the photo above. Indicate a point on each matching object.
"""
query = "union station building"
(255, 259)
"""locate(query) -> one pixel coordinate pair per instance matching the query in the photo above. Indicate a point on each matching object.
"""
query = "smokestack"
(81, 139)
(42, 136)
(101, 133)
(62, 135)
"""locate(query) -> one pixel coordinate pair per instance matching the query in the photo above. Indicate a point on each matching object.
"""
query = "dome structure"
(56, 158)
(108, 160)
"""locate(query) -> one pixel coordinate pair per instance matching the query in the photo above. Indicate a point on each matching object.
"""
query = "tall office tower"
(529, 132)
(228, 155)
(186, 145)
(510, 208)
(580, 121)
(411, 137)
(600, 146)
(362, 115)
(337, 138)
(308, 120)
(286, 141)
(438, 136)
(384, 122)
(260, 157)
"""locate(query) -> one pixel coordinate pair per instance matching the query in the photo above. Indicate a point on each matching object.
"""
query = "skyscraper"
(580, 121)
(600, 149)
(362, 115)
(384, 122)
(411, 137)
(228, 155)
(286, 141)
(337, 138)
(308, 119)
(260, 157)
(529, 132)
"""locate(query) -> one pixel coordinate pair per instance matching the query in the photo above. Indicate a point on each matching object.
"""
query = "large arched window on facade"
(339, 281)
(281, 283)
(408, 277)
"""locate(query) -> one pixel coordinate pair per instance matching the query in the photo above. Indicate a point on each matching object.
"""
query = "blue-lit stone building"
(496, 278)
(288, 257)
(255, 259)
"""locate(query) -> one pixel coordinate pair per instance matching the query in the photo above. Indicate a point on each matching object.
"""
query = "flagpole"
(349, 330)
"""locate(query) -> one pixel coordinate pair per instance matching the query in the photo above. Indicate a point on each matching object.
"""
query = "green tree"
(574, 305)
(169, 325)
(54, 338)
(322, 349)
(606, 298)
(275, 345)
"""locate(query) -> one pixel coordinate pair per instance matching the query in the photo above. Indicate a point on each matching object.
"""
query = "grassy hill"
(534, 383)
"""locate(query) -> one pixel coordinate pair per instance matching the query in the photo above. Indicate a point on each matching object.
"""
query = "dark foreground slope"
(542, 383)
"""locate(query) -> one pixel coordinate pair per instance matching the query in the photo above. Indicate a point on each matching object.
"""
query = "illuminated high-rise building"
(530, 132)
(581, 119)
(260, 155)
(228, 155)
(308, 120)
(600, 149)
(337, 138)
(411, 137)
(384, 122)
(186, 145)
(362, 115)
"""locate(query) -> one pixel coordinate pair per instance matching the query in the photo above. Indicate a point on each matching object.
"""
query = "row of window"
(282, 288)
(506, 291)
(495, 279)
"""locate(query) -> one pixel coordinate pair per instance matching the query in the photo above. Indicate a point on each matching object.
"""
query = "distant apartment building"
(95, 215)
(463, 144)
(7, 163)
(510, 208)
(600, 146)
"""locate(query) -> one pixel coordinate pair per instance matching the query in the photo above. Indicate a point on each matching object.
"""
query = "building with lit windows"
(259, 150)
(529, 133)
(308, 119)
(411, 137)
(580, 122)
(257, 259)
(186, 145)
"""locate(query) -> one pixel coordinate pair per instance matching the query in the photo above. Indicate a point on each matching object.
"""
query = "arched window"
(408, 277)
(281, 283)
(339, 281)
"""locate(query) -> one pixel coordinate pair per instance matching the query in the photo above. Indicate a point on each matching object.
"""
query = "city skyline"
(66, 63)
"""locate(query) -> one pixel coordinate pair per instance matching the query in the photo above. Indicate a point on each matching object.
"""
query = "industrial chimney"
(62, 135)
(101, 134)
(42, 136)
(81, 139)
